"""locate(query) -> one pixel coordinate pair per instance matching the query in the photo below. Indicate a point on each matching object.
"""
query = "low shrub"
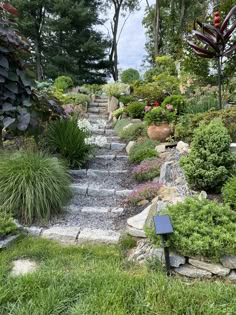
(130, 75)
(126, 99)
(146, 191)
(7, 225)
(210, 161)
(201, 228)
(69, 141)
(229, 192)
(33, 185)
(136, 110)
(143, 150)
(186, 125)
(151, 92)
(92, 88)
(147, 170)
(177, 101)
(133, 132)
(158, 115)
(115, 89)
(63, 83)
(119, 112)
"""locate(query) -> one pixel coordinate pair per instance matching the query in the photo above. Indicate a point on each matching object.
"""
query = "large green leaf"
(4, 62)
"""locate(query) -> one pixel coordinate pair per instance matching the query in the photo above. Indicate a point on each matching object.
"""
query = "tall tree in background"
(118, 7)
(64, 39)
(166, 23)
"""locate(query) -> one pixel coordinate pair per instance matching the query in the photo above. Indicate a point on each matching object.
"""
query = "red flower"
(156, 104)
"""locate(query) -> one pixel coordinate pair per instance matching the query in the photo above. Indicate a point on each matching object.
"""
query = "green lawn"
(95, 280)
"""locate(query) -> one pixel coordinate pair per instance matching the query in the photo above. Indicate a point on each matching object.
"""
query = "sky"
(131, 47)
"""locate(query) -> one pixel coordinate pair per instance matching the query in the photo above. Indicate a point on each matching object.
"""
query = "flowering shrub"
(115, 89)
(146, 191)
(178, 103)
(159, 114)
(98, 141)
(147, 170)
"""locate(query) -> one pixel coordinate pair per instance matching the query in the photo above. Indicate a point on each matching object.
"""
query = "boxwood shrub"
(136, 110)
(201, 228)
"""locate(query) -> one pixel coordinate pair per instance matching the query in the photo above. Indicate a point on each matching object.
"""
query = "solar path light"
(163, 227)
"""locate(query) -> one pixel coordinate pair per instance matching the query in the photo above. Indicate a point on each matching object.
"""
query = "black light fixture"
(163, 227)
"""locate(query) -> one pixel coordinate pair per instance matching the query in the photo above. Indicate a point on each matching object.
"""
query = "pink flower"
(148, 108)
(169, 107)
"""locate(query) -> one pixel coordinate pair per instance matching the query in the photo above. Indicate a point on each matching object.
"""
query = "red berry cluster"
(217, 19)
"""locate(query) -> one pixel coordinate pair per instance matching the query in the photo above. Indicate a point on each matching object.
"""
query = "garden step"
(91, 190)
(108, 132)
(100, 105)
(98, 236)
(102, 210)
(97, 172)
(101, 100)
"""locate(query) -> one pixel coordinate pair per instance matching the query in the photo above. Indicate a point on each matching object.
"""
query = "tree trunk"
(39, 74)
(1, 139)
(156, 28)
(114, 51)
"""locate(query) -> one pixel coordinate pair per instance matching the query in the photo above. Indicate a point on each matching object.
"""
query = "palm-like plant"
(215, 41)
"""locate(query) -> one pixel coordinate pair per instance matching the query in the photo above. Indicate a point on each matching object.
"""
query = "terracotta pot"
(159, 132)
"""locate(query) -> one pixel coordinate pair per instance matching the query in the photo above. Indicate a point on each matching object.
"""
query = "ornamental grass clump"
(67, 139)
(33, 185)
(146, 191)
(210, 162)
(201, 228)
(147, 170)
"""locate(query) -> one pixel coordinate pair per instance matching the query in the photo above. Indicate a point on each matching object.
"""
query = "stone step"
(97, 172)
(74, 235)
(98, 191)
(112, 157)
(108, 132)
(98, 236)
(117, 210)
(101, 100)
(100, 105)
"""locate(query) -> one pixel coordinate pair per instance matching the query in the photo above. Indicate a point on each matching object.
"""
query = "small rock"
(175, 259)
(127, 126)
(143, 202)
(138, 221)
(161, 205)
(129, 146)
(216, 269)
(98, 236)
(34, 230)
(160, 148)
(232, 276)
(9, 240)
(165, 172)
(182, 147)
(169, 194)
(202, 195)
(233, 147)
(192, 272)
(164, 155)
(135, 232)
(229, 261)
(23, 266)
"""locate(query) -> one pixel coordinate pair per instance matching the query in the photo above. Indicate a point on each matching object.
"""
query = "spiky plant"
(33, 185)
(215, 41)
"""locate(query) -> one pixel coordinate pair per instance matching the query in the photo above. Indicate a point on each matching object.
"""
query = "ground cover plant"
(33, 185)
(69, 141)
(146, 191)
(96, 280)
(7, 225)
(229, 192)
(210, 162)
(147, 170)
(202, 228)
(143, 150)
(133, 132)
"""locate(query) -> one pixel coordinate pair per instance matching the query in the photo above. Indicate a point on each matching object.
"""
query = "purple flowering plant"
(147, 170)
(146, 191)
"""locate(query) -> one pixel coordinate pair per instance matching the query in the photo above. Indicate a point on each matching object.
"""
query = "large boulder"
(113, 104)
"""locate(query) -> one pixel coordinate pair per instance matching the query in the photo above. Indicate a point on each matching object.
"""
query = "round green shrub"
(133, 132)
(136, 110)
(33, 185)
(65, 138)
(130, 75)
(210, 161)
(201, 228)
(229, 192)
(126, 99)
(63, 83)
(142, 151)
(177, 101)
